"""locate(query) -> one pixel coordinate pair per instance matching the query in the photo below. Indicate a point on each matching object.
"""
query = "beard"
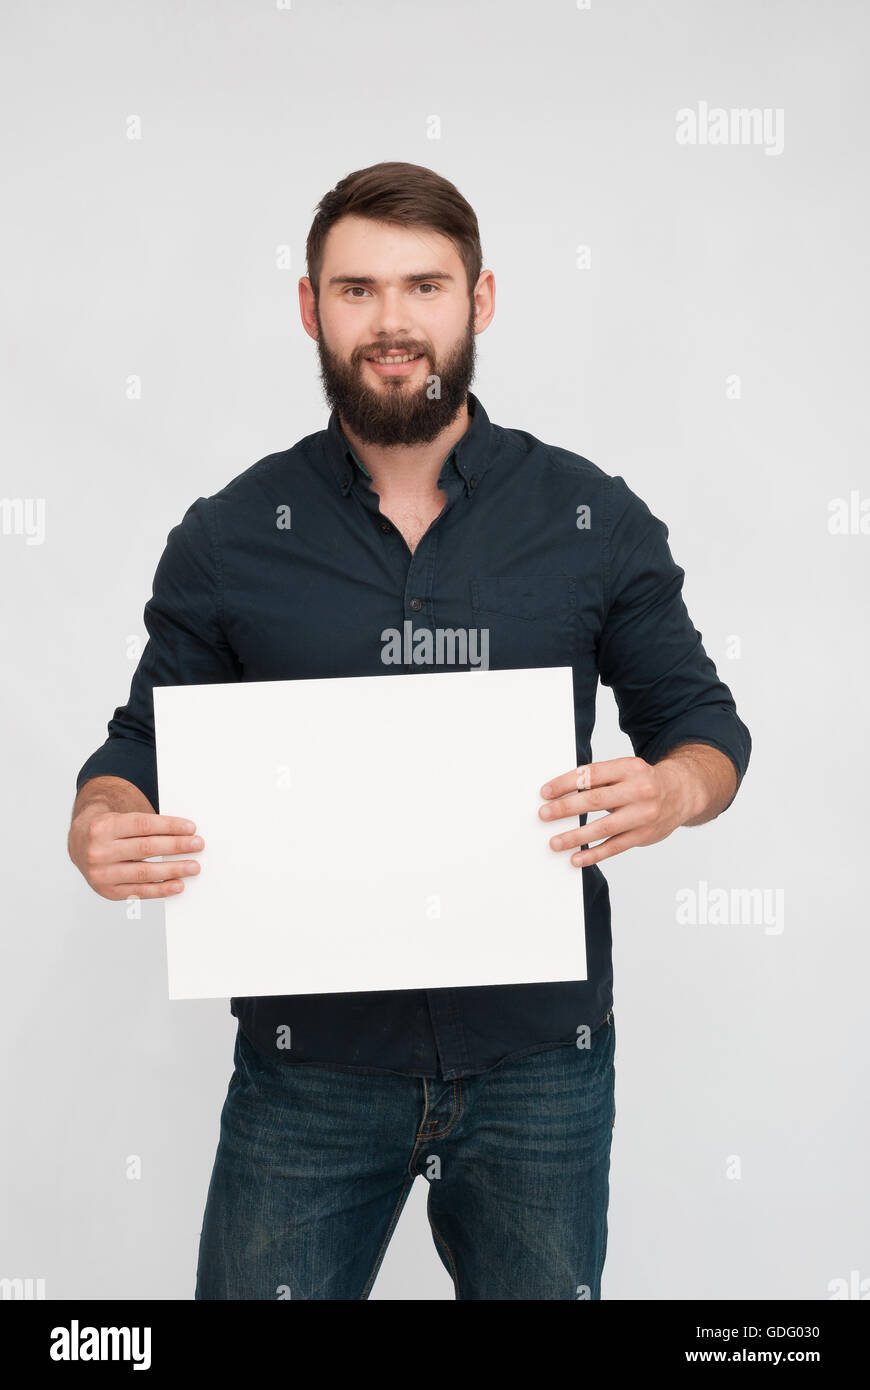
(395, 412)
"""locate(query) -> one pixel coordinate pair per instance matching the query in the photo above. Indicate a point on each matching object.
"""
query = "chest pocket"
(530, 597)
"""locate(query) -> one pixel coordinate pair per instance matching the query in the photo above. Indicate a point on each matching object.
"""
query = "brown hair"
(408, 195)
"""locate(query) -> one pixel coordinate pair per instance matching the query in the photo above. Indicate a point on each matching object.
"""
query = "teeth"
(393, 360)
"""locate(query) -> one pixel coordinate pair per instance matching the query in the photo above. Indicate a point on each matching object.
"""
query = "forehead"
(357, 246)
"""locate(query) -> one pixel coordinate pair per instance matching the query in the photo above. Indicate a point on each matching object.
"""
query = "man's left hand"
(645, 803)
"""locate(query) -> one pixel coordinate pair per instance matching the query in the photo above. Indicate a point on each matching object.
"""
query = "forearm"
(706, 778)
(110, 794)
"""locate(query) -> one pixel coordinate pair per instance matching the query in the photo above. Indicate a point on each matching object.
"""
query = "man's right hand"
(110, 849)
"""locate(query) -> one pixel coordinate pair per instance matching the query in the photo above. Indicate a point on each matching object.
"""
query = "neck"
(409, 469)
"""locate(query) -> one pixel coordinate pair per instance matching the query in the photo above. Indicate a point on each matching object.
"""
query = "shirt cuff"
(717, 729)
(128, 758)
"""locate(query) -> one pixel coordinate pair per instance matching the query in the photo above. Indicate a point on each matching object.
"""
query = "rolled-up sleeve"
(666, 687)
(185, 646)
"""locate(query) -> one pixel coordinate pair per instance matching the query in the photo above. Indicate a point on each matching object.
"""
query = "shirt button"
(386, 527)
(416, 604)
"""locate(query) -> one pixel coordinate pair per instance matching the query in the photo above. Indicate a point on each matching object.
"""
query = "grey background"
(157, 257)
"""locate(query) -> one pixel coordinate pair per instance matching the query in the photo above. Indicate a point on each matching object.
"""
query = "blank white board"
(370, 833)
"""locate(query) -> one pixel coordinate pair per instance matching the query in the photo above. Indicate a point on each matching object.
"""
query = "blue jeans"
(314, 1165)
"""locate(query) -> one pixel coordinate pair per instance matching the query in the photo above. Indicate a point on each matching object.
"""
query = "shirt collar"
(470, 456)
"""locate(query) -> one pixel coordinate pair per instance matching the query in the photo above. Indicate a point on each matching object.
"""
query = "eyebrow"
(372, 280)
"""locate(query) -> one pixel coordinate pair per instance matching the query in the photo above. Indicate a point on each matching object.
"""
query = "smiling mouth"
(394, 359)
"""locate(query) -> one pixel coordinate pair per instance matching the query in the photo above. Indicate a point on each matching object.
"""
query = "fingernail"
(547, 790)
(196, 842)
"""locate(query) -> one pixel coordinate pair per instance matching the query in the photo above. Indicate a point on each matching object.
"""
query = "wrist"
(96, 806)
(80, 823)
(685, 785)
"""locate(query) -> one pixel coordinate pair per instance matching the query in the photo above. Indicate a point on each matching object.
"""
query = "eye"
(424, 285)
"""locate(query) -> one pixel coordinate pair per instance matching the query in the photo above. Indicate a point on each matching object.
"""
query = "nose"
(391, 319)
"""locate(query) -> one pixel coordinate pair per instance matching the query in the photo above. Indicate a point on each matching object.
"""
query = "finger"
(121, 891)
(145, 848)
(599, 829)
(138, 872)
(125, 825)
(590, 775)
(615, 845)
(605, 798)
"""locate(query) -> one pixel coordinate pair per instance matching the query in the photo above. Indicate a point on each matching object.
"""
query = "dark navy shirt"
(291, 571)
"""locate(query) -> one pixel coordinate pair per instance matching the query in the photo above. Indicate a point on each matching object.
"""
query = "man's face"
(369, 306)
